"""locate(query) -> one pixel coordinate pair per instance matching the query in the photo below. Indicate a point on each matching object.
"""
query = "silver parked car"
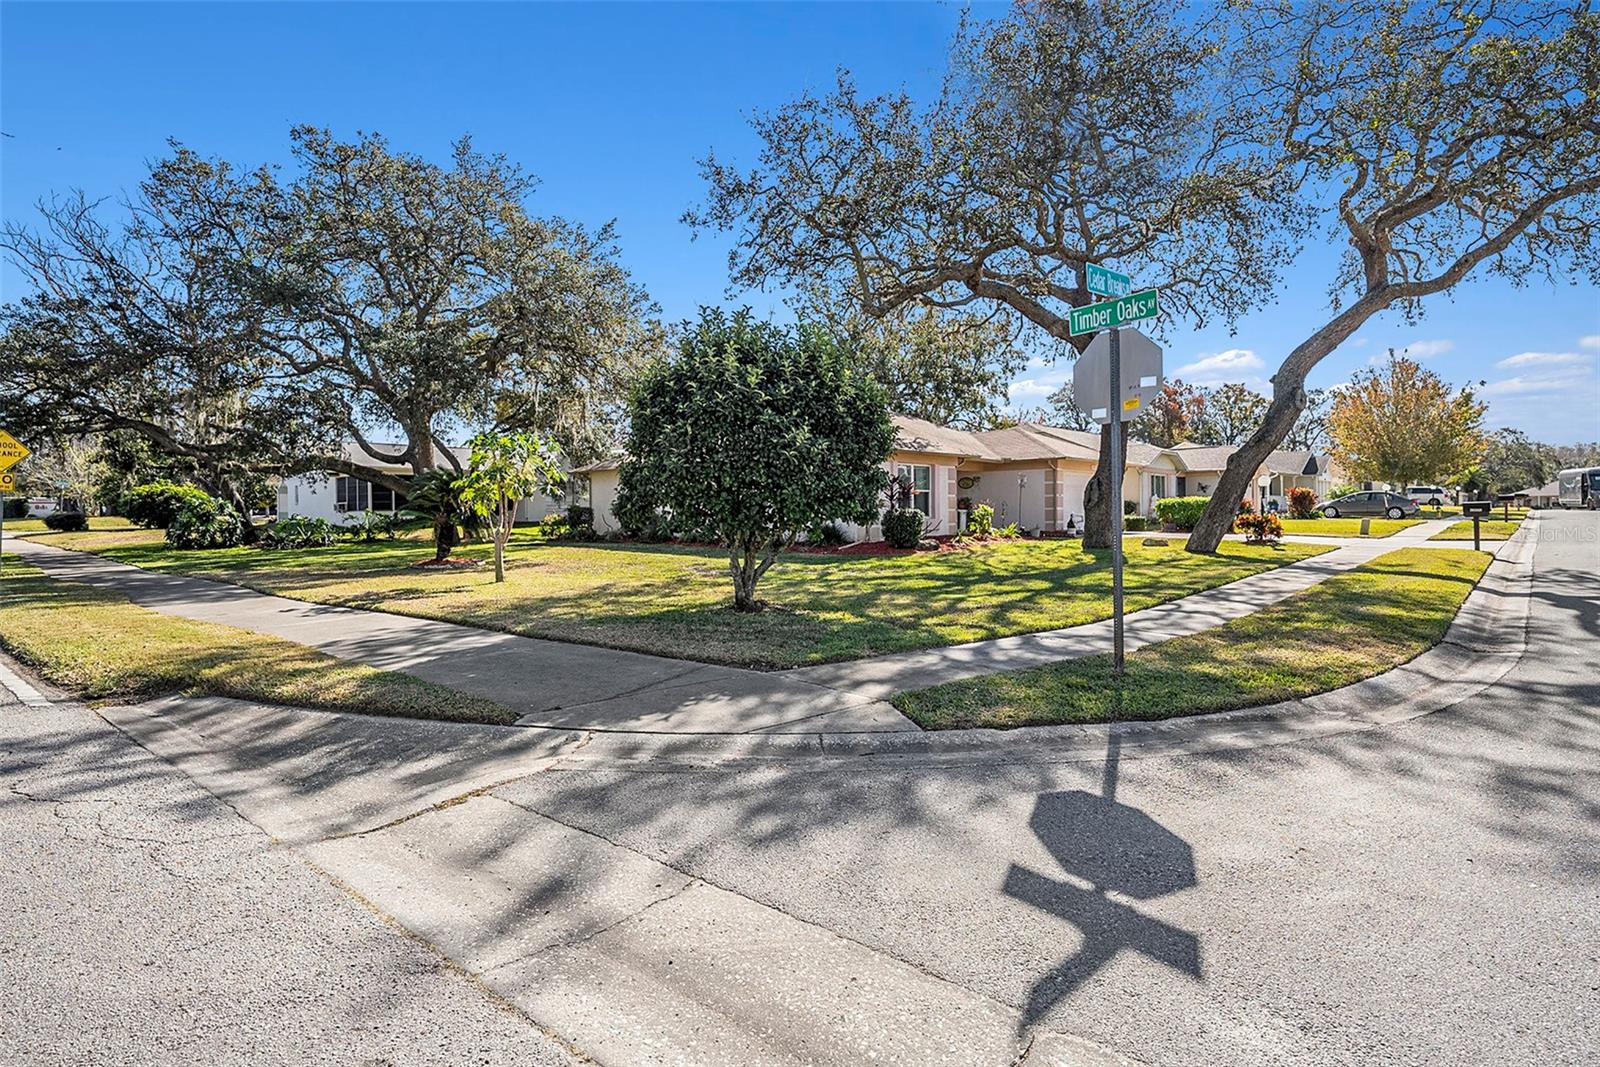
(1364, 503)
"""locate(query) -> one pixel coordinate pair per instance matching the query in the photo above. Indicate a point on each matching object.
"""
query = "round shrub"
(1260, 529)
(154, 505)
(1302, 502)
(205, 523)
(1134, 523)
(66, 520)
(16, 507)
(902, 527)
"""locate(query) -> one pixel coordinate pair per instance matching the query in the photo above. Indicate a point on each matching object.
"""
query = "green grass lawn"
(99, 645)
(675, 601)
(96, 522)
(1490, 530)
(1352, 626)
(1342, 527)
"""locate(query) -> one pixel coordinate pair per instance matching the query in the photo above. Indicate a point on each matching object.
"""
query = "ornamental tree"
(1402, 424)
(1433, 138)
(753, 433)
(1173, 417)
(502, 468)
(1066, 134)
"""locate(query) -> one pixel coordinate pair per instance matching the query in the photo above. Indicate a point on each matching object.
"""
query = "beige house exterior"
(1032, 475)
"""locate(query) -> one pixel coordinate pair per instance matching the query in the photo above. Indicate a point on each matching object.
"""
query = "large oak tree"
(252, 322)
(1437, 138)
(1065, 134)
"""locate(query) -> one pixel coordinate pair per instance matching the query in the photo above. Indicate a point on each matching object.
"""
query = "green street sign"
(1109, 313)
(1102, 281)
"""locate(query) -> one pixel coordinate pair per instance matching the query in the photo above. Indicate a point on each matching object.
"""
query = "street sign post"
(1146, 374)
(12, 452)
(1109, 314)
(1102, 281)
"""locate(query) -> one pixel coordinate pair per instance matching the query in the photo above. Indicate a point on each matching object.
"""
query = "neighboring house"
(1032, 475)
(1202, 467)
(1540, 496)
(338, 497)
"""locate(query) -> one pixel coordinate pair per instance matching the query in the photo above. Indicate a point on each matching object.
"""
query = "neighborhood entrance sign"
(1109, 314)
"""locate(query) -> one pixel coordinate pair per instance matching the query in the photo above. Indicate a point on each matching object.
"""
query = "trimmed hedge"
(1181, 511)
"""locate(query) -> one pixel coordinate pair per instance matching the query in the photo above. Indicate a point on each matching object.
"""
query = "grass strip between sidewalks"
(1492, 530)
(99, 645)
(1353, 626)
(1344, 527)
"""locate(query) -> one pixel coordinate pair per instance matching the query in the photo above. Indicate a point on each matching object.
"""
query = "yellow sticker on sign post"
(12, 451)
(8, 482)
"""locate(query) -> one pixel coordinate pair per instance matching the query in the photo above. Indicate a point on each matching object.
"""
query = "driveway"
(1421, 892)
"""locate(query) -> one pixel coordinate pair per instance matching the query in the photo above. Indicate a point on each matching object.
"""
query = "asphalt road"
(1423, 893)
(145, 922)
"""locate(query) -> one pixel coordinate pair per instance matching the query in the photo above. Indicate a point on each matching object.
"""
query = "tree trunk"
(1238, 478)
(742, 565)
(1099, 498)
(444, 537)
(500, 557)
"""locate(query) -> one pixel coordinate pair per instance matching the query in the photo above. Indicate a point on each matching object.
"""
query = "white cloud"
(1031, 387)
(1229, 366)
(1429, 349)
(1358, 342)
(1558, 385)
(1592, 341)
(1546, 359)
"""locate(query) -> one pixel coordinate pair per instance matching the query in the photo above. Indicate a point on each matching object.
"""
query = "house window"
(352, 494)
(921, 478)
(1158, 486)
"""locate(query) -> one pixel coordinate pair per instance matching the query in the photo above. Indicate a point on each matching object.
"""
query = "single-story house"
(1540, 496)
(1031, 474)
(339, 497)
(1202, 466)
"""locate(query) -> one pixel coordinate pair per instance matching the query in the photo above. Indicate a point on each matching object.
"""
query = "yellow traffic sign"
(8, 482)
(12, 451)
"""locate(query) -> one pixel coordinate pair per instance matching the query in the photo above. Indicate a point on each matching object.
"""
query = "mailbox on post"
(1476, 510)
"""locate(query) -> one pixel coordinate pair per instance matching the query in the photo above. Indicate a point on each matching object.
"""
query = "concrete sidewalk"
(562, 685)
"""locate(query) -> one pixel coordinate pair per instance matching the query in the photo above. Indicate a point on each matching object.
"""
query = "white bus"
(1579, 488)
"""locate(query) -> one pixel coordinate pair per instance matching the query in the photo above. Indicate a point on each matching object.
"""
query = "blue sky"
(610, 105)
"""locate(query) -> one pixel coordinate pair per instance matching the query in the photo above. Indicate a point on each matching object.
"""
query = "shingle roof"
(1194, 457)
(920, 435)
(610, 463)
